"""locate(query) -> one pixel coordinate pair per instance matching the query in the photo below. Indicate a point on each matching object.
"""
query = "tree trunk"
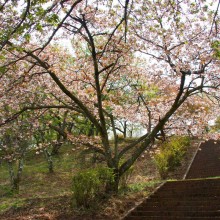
(49, 161)
(56, 148)
(125, 129)
(15, 179)
(11, 173)
(91, 131)
(113, 187)
(131, 133)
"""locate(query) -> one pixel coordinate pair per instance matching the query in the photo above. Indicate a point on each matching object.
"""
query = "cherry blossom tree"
(185, 45)
(154, 60)
(15, 142)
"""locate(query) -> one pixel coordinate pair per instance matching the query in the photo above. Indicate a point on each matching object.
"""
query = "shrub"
(171, 154)
(161, 161)
(89, 185)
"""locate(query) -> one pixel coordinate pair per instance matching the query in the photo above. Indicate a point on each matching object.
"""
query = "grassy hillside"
(48, 196)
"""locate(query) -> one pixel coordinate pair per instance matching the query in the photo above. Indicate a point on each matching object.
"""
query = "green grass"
(4, 173)
(141, 186)
(13, 203)
(36, 182)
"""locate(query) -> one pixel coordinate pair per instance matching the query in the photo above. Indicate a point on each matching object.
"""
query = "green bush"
(89, 185)
(161, 161)
(171, 154)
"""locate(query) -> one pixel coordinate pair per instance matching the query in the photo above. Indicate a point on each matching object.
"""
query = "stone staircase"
(189, 198)
(207, 161)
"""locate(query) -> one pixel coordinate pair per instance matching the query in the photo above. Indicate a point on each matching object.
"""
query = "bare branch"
(213, 21)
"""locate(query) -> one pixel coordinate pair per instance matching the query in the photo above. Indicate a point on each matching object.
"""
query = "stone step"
(168, 218)
(194, 181)
(187, 191)
(177, 202)
(177, 213)
(187, 194)
(178, 207)
(183, 198)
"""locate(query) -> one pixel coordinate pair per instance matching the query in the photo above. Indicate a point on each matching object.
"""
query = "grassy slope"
(48, 196)
(37, 182)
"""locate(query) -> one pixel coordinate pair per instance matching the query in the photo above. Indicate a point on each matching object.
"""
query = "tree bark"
(15, 178)
(49, 161)
(113, 187)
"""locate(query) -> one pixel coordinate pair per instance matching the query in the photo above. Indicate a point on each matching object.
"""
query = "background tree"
(15, 142)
